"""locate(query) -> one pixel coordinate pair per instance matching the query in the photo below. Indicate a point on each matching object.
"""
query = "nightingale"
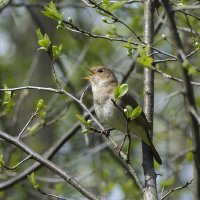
(103, 82)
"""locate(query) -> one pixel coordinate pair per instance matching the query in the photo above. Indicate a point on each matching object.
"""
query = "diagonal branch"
(48, 164)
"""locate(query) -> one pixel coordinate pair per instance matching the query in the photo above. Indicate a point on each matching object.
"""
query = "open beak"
(88, 77)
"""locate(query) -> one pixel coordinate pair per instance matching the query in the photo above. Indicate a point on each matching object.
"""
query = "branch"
(189, 95)
(48, 155)
(186, 7)
(148, 167)
(48, 164)
(29, 121)
(123, 156)
(176, 189)
(18, 164)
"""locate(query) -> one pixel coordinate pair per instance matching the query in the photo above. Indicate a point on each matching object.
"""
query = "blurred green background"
(88, 158)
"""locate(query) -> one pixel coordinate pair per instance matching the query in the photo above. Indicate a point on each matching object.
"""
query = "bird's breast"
(110, 115)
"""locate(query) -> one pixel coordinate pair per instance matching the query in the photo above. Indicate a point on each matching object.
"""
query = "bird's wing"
(142, 120)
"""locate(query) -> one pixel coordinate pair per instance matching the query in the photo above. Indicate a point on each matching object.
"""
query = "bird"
(103, 82)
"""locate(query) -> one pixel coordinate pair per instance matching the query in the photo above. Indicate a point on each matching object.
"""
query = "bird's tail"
(155, 154)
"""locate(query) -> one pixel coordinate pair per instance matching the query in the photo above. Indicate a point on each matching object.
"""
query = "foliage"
(120, 91)
(132, 113)
(76, 36)
(33, 180)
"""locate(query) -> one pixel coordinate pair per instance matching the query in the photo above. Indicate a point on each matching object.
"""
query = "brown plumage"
(103, 82)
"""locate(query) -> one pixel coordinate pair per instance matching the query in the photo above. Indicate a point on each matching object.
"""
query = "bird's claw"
(106, 132)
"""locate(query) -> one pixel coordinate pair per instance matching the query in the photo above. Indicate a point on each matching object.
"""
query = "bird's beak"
(88, 77)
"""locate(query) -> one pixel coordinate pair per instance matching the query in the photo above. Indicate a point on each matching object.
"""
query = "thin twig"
(18, 164)
(48, 164)
(29, 121)
(195, 114)
(52, 195)
(176, 189)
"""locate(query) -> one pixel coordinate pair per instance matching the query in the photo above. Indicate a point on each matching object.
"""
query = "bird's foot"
(106, 132)
(118, 149)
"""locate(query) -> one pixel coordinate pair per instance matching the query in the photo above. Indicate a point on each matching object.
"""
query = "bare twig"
(29, 121)
(52, 195)
(176, 189)
(18, 164)
(186, 7)
(189, 95)
(195, 114)
(172, 77)
(48, 164)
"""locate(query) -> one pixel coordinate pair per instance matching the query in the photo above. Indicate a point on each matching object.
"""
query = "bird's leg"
(129, 140)
(129, 147)
(106, 132)
(119, 148)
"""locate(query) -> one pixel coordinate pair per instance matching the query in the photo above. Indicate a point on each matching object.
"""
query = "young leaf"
(40, 105)
(120, 91)
(33, 129)
(191, 69)
(128, 110)
(144, 59)
(39, 34)
(132, 113)
(41, 109)
(7, 96)
(43, 40)
(115, 6)
(82, 119)
(136, 112)
(86, 131)
(141, 51)
(56, 51)
(1, 161)
(33, 180)
(52, 12)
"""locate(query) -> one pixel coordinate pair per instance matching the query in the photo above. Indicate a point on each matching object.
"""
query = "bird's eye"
(100, 70)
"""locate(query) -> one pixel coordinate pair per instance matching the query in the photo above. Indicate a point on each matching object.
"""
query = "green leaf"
(136, 112)
(8, 103)
(128, 46)
(106, 2)
(43, 40)
(141, 51)
(191, 69)
(41, 105)
(56, 51)
(132, 113)
(86, 131)
(1, 161)
(52, 12)
(144, 59)
(128, 110)
(115, 6)
(39, 34)
(82, 119)
(2, 3)
(33, 129)
(120, 91)
(33, 180)
(41, 109)
(43, 115)
(7, 96)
